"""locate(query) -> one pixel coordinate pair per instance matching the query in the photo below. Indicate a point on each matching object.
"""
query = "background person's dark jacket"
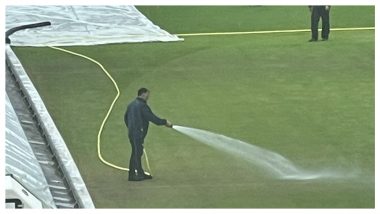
(137, 119)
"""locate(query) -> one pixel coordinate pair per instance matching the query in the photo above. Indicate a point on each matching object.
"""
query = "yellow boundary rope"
(270, 31)
(108, 112)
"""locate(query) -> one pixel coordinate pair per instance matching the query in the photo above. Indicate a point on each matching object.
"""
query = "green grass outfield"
(311, 102)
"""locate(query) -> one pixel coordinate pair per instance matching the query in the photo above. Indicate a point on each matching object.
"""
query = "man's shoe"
(136, 178)
(313, 40)
(325, 39)
(146, 176)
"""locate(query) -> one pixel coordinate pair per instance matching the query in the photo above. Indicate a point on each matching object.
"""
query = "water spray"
(272, 162)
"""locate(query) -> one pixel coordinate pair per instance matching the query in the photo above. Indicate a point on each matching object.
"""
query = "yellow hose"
(108, 112)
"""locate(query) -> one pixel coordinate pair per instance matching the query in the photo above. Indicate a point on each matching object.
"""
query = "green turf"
(179, 19)
(311, 102)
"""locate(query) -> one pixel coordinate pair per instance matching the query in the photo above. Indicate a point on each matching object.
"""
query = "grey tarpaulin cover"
(20, 161)
(82, 25)
(57, 144)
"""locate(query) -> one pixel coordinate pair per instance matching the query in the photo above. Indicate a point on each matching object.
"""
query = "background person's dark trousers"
(318, 12)
(135, 161)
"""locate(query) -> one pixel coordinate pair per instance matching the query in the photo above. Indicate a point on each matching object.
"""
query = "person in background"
(318, 12)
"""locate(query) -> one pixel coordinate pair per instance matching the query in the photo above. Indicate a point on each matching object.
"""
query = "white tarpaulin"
(82, 25)
(51, 134)
(20, 161)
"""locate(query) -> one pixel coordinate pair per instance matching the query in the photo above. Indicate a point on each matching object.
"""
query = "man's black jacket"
(137, 119)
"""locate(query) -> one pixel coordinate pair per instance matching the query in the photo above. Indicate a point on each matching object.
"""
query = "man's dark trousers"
(317, 13)
(137, 152)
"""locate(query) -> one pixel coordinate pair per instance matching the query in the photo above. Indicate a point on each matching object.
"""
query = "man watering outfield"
(137, 118)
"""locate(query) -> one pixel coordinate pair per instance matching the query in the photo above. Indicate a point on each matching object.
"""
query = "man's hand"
(168, 124)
